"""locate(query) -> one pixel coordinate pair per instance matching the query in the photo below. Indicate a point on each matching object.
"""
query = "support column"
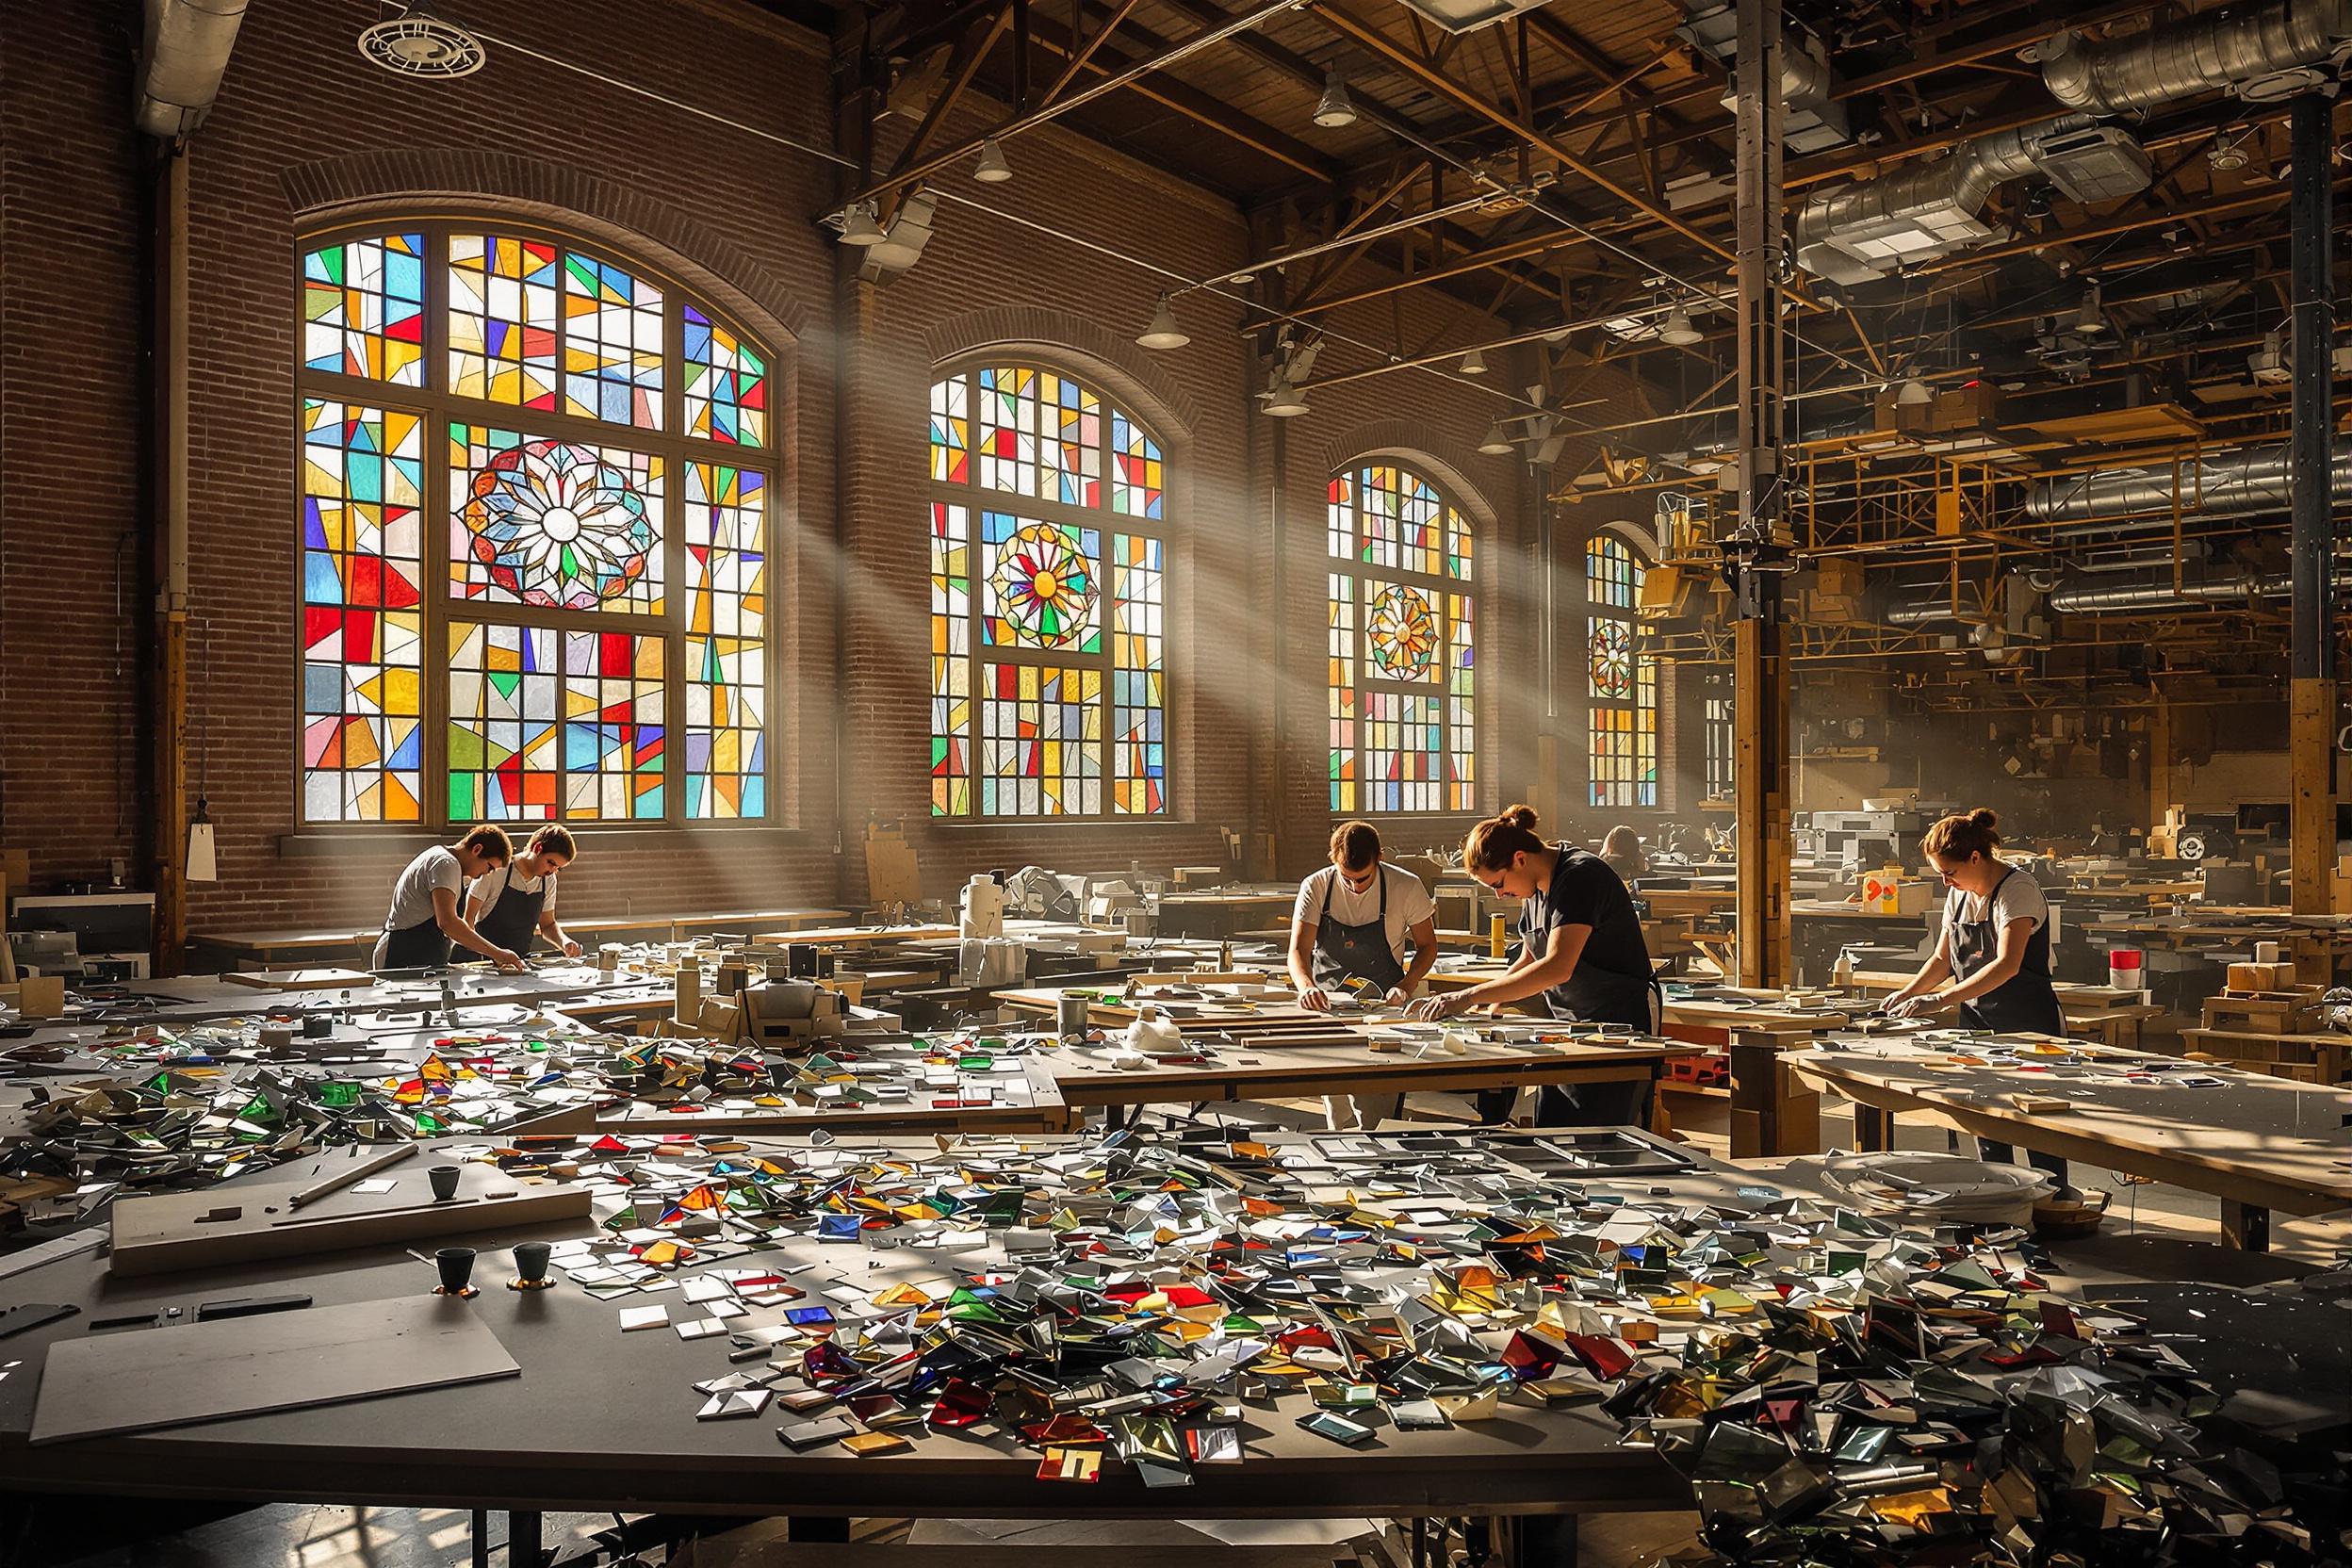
(2311, 740)
(168, 543)
(1756, 551)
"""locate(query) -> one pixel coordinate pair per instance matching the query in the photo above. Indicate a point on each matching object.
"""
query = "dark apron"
(1344, 952)
(2026, 1002)
(418, 946)
(514, 920)
(1589, 995)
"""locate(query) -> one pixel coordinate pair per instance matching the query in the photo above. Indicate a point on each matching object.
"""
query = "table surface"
(254, 943)
(2263, 1140)
(600, 1420)
(1273, 1067)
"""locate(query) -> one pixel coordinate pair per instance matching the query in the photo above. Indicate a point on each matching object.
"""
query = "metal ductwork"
(2237, 485)
(2145, 588)
(1866, 230)
(186, 52)
(2248, 50)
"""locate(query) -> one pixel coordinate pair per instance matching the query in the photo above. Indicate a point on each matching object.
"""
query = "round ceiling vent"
(419, 43)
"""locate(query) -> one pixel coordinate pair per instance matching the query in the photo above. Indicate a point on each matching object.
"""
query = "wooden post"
(169, 544)
(2312, 748)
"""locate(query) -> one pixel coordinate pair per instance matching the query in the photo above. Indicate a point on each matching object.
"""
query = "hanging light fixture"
(2091, 318)
(1915, 394)
(992, 168)
(1474, 364)
(1676, 330)
(1163, 333)
(858, 227)
(1497, 442)
(1283, 399)
(1336, 110)
(410, 40)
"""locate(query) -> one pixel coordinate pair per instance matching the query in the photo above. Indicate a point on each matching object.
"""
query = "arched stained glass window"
(1403, 731)
(536, 538)
(1048, 600)
(1621, 681)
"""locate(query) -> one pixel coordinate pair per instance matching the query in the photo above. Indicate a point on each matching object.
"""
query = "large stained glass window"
(1621, 681)
(1049, 652)
(1402, 699)
(534, 581)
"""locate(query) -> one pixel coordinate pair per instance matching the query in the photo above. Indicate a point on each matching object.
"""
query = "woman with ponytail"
(1581, 949)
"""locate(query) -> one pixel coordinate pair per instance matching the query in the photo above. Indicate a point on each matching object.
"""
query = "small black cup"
(443, 1179)
(456, 1266)
(530, 1266)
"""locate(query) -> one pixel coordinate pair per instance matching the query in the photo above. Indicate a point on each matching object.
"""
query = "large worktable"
(275, 949)
(2258, 1143)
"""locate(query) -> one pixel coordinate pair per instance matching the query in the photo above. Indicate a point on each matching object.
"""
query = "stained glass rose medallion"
(557, 526)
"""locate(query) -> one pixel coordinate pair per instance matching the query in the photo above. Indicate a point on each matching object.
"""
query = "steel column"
(2311, 741)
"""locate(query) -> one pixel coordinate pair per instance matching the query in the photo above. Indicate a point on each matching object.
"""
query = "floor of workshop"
(2151, 1232)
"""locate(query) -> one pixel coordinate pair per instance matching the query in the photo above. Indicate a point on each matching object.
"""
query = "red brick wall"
(307, 135)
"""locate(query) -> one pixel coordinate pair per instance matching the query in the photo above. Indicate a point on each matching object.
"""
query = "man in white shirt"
(1350, 925)
(424, 919)
(517, 901)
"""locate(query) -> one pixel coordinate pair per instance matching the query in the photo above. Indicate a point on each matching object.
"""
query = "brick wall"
(307, 135)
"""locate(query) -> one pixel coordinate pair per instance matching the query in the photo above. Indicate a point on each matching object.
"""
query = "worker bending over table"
(1581, 949)
(424, 920)
(517, 901)
(1995, 948)
(1351, 923)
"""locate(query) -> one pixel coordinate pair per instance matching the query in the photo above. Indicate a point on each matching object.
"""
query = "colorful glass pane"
(557, 524)
(503, 733)
(612, 348)
(1396, 751)
(1343, 691)
(363, 714)
(1044, 584)
(502, 319)
(951, 430)
(727, 629)
(1138, 692)
(1041, 741)
(364, 308)
(950, 661)
(726, 384)
(1136, 473)
(1401, 632)
(1009, 737)
(613, 726)
(1621, 684)
(1039, 434)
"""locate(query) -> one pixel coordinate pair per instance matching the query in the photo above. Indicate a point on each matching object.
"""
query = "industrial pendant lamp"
(1677, 329)
(1915, 394)
(1497, 442)
(992, 169)
(2091, 318)
(1336, 110)
(858, 227)
(1163, 333)
(1283, 402)
(1474, 364)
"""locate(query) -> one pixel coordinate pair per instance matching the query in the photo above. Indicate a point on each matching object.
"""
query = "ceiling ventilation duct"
(1468, 16)
(1812, 121)
(2147, 588)
(1866, 230)
(187, 52)
(2263, 52)
(2235, 485)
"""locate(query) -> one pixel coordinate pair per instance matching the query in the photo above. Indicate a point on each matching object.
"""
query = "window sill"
(323, 842)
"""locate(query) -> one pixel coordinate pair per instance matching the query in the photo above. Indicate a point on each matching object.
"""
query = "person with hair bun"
(1996, 942)
(1580, 950)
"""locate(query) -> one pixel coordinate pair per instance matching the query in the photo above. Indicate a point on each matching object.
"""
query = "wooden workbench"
(2256, 1142)
(284, 949)
(2102, 1013)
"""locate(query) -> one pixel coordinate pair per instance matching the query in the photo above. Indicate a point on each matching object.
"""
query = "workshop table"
(581, 1429)
(2103, 1013)
(1032, 1103)
(1191, 1015)
(297, 948)
(2256, 1142)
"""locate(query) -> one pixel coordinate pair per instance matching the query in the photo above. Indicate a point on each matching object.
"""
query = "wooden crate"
(2286, 1012)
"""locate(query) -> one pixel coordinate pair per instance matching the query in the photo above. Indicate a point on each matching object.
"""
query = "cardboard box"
(1887, 891)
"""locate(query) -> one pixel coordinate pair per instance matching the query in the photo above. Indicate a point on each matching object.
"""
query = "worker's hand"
(1397, 996)
(1435, 1009)
(1903, 1007)
(509, 961)
(1314, 1000)
(571, 948)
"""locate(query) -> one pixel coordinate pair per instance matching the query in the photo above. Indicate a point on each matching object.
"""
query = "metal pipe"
(2235, 485)
(2166, 64)
(2144, 589)
(187, 44)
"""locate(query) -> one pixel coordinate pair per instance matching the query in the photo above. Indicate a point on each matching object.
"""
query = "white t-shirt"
(1409, 902)
(411, 895)
(493, 884)
(2018, 897)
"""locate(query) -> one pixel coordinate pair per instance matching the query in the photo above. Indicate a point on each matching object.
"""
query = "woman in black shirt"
(1580, 950)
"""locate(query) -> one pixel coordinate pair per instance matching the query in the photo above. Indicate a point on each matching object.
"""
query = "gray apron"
(513, 921)
(1344, 952)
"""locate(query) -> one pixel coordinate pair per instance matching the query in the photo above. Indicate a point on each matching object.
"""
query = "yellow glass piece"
(867, 1444)
(903, 1295)
(660, 1253)
(1911, 1508)
(703, 1198)
(1724, 1301)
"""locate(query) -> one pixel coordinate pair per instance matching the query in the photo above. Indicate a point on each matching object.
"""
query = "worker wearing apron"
(1581, 951)
(516, 904)
(425, 920)
(1332, 944)
(1995, 948)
